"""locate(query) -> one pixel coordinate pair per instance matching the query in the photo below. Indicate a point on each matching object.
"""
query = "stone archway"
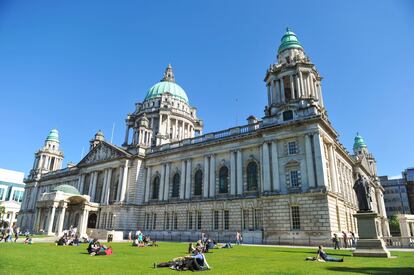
(92, 220)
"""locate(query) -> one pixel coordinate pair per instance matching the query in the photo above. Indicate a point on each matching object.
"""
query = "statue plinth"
(369, 243)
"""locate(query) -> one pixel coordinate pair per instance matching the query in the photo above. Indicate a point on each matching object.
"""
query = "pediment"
(103, 152)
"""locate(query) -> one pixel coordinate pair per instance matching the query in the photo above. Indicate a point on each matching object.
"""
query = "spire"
(53, 135)
(359, 142)
(168, 75)
(289, 40)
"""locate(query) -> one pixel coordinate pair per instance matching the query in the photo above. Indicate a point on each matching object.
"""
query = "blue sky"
(80, 66)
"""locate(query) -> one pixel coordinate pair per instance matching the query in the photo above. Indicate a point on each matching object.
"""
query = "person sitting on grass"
(191, 248)
(227, 245)
(93, 246)
(62, 241)
(135, 242)
(195, 262)
(102, 251)
(28, 240)
(322, 255)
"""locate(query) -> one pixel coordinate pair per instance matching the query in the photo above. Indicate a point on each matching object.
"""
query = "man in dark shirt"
(322, 255)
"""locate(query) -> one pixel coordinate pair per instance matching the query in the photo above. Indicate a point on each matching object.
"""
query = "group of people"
(141, 240)
(68, 240)
(348, 240)
(6, 233)
(95, 248)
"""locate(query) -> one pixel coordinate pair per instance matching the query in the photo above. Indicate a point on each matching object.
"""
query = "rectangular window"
(226, 219)
(292, 148)
(245, 219)
(154, 221)
(216, 219)
(175, 221)
(2, 191)
(167, 221)
(294, 178)
(199, 220)
(257, 219)
(295, 218)
(190, 220)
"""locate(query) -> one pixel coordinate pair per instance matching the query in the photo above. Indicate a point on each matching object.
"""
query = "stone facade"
(280, 179)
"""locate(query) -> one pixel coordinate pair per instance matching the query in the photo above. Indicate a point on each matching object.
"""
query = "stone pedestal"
(369, 243)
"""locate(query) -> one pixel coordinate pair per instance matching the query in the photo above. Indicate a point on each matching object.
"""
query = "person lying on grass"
(195, 262)
(103, 251)
(323, 256)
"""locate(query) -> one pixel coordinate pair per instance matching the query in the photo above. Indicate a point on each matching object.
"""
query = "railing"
(405, 242)
(235, 131)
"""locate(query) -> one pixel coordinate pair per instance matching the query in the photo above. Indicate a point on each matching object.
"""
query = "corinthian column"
(188, 180)
(51, 218)
(275, 166)
(124, 182)
(212, 176)
(239, 173)
(266, 167)
(206, 177)
(232, 174)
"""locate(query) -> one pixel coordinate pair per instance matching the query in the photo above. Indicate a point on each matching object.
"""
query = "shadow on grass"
(374, 270)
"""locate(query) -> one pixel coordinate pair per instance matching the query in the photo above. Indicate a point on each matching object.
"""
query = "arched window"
(155, 187)
(198, 183)
(252, 176)
(176, 186)
(224, 180)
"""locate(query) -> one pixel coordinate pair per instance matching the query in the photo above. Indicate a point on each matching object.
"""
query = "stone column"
(232, 174)
(292, 87)
(38, 219)
(50, 220)
(302, 85)
(182, 180)
(126, 135)
(61, 219)
(239, 173)
(118, 190)
(275, 166)
(212, 176)
(147, 184)
(282, 91)
(104, 186)
(167, 181)
(206, 177)
(320, 162)
(108, 186)
(297, 81)
(124, 182)
(83, 219)
(332, 168)
(266, 167)
(269, 93)
(188, 180)
(309, 161)
(81, 183)
(92, 187)
(162, 181)
(277, 92)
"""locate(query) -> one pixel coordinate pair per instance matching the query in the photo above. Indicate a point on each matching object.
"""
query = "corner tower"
(293, 84)
(164, 116)
(49, 158)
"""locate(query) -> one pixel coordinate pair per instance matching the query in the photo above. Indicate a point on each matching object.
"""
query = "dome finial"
(168, 75)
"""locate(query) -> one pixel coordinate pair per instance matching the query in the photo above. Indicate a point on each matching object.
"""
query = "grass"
(46, 258)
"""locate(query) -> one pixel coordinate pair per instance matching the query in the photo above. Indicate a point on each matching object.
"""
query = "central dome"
(167, 85)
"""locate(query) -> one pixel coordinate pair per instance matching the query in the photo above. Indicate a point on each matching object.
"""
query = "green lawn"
(46, 258)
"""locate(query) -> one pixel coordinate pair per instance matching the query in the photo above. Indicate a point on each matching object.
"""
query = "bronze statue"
(363, 194)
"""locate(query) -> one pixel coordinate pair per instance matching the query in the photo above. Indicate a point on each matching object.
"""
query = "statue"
(363, 194)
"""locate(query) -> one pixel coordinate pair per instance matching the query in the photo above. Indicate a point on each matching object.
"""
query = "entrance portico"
(62, 209)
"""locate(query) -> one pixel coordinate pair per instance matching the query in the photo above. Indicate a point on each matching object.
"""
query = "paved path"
(298, 246)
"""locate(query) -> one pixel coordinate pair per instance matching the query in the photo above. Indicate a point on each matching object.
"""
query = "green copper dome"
(167, 84)
(289, 41)
(65, 188)
(53, 135)
(359, 142)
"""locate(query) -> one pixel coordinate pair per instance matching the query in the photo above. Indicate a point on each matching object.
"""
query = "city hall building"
(282, 177)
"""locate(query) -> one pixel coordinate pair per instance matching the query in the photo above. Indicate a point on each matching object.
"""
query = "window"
(2, 193)
(257, 219)
(246, 219)
(216, 219)
(175, 221)
(198, 183)
(226, 219)
(155, 187)
(190, 220)
(295, 218)
(287, 115)
(199, 220)
(252, 176)
(154, 221)
(223, 180)
(167, 221)
(17, 196)
(292, 148)
(86, 184)
(294, 182)
(176, 186)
